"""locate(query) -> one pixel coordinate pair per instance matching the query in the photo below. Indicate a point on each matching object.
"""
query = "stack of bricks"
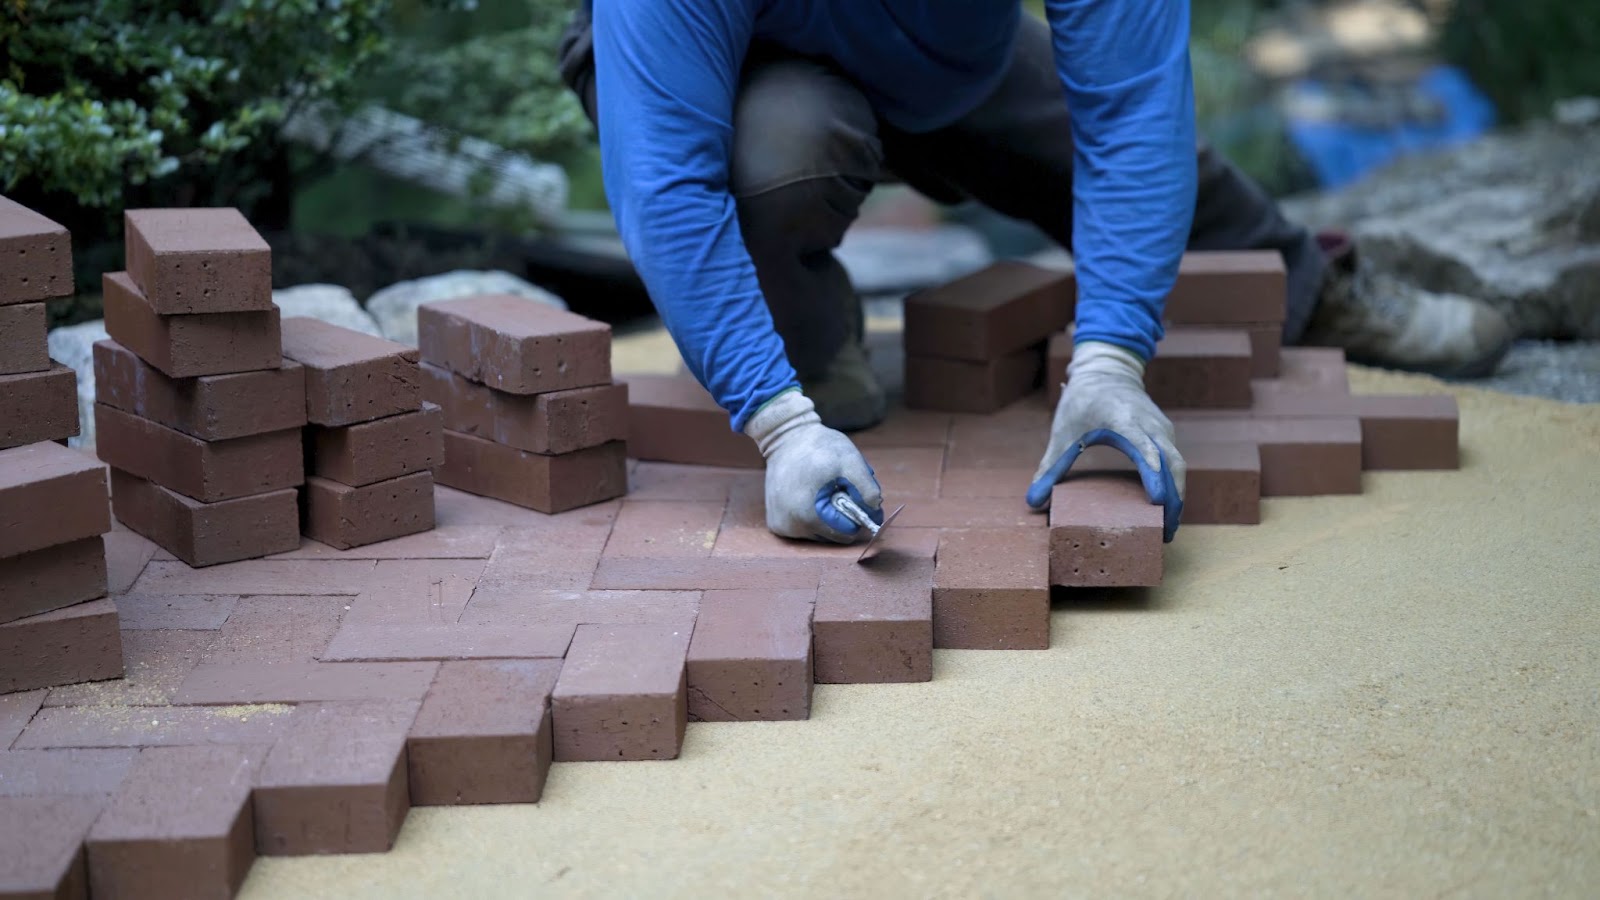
(196, 410)
(531, 415)
(978, 343)
(56, 627)
(372, 443)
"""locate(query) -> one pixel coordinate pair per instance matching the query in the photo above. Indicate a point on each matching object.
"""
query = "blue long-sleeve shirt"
(667, 72)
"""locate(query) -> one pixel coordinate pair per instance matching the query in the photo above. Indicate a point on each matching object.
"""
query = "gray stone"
(885, 260)
(73, 345)
(1560, 370)
(395, 307)
(328, 302)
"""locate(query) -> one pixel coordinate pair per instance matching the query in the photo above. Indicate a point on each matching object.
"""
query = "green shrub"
(1527, 54)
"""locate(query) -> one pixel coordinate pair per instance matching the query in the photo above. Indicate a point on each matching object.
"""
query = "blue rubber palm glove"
(807, 463)
(1104, 402)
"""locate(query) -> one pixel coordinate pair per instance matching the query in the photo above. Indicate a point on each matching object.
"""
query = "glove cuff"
(1100, 359)
(782, 414)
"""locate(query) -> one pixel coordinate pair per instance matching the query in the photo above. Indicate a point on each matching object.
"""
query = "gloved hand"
(1104, 402)
(807, 462)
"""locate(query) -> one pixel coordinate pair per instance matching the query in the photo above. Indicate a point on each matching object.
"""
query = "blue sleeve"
(666, 72)
(1130, 94)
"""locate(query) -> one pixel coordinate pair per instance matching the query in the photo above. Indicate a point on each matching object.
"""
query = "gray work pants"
(807, 149)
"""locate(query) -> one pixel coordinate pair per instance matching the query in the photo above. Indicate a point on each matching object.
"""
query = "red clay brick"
(991, 590)
(905, 472)
(554, 422)
(23, 346)
(187, 346)
(155, 612)
(1223, 486)
(268, 629)
(1012, 438)
(906, 428)
(1398, 431)
(229, 683)
(413, 592)
(152, 726)
(16, 710)
(674, 481)
(38, 406)
(208, 471)
(514, 344)
(673, 419)
(549, 484)
(1303, 369)
(32, 773)
(41, 845)
(369, 452)
(1008, 511)
(35, 256)
(54, 577)
(1229, 287)
(342, 516)
(206, 534)
(335, 782)
(953, 385)
(989, 314)
(713, 574)
(351, 377)
(750, 658)
(1104, 532)
(180, 826)
(483, 734)
(621, 694)
(443, 542)
(1194, 368)
(514, 605)
(874, 621)
(127, 554)
(371, 643)
(155, 662)
(260, 577)
(212, 407)
(665, 529)
(48, 476)
(543, 559)
(79, 643)
(198, 260)
(1266, 343)
(1300, 457)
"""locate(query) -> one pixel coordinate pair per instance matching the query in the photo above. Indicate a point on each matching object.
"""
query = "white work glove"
(1104, 402)
(807, 463)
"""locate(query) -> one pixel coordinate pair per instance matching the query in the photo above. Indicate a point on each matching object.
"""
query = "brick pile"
(372, 443)
(196, 409)
(531, 415)
(55, 625)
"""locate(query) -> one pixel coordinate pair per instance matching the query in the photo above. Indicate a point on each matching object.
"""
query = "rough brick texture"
(1223, 485)
(483, 734)
(874, 622)
(551, 423)
(1194, 368)
(1229, 287)
(79, 643)
(51, 578)
(342, 516)
(750, 658)
(954, 385)
(991, 589)
(989, 314)
(23, 339)
(673, 419)
(1104, 532)
(208, 471)
(1266, 347)
(35, 256)
(351, 377)
(549, 484)
(1398, 431)
(369, 452)
(621, 694)
(514, 344)
(1300, 457)
(38, 406)
(186, 346)
(69, 484)
(41, 845)
(211, 408)
(198, 260)
(205, 534)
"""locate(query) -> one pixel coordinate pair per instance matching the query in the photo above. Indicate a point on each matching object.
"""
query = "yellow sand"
(1396, 694)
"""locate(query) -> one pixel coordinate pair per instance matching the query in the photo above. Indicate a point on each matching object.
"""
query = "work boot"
(1381, 321)
(847, 394)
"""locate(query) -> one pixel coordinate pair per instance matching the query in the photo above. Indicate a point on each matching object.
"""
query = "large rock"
(395, 307)
(73, 345)
(1513, 220)
(328, 302)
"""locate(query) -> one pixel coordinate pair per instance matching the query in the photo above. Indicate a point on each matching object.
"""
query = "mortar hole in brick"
(1074, 570)
(1077, 545)
(1103, 544)
(1102, 573)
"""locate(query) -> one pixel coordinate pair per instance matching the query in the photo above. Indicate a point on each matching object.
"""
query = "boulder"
(395, 307)
(328, 302)
(73, 345)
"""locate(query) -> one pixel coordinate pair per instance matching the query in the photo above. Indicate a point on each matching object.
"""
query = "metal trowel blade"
(876, 534)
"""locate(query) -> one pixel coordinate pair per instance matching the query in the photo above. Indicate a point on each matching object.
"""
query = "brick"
(180, 826)
(351, 377)
(198, 260)
(904, 472)
(189, 612)
(513, 604)
(714, 574)
(451, 641)
(676, 481)
(154, 664)
(991, 590)
(208, 471)
(1223, 485)
(260, 577)
(211, 407)
(186, 346)
(282, 629)
(549, 484)
(1300, 456)
(1012, 438)
(35, 256)
(874, 622)
(369, 452)
(16, 710)
(905, 428)
(991, 313)
(750, 657)
(673, 419)
(41, 845)
(554, 422)
(126, 556)
(1006, 511)
(1398, 431)
(68, 483)
(207, 534)
(1229, 287)
(1303, 369)
(665, 529)
(1194, 368)
(51, 578)
(152, 726)
(1104, 532)
(32, 773)
(335, 782)
(79, 643)
(483, 734)
(342, 516)
(229, 683)
(38, 406)
(952, 385)
(513, 344)
(1266, 343)
(23, 340)
(621, 694)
